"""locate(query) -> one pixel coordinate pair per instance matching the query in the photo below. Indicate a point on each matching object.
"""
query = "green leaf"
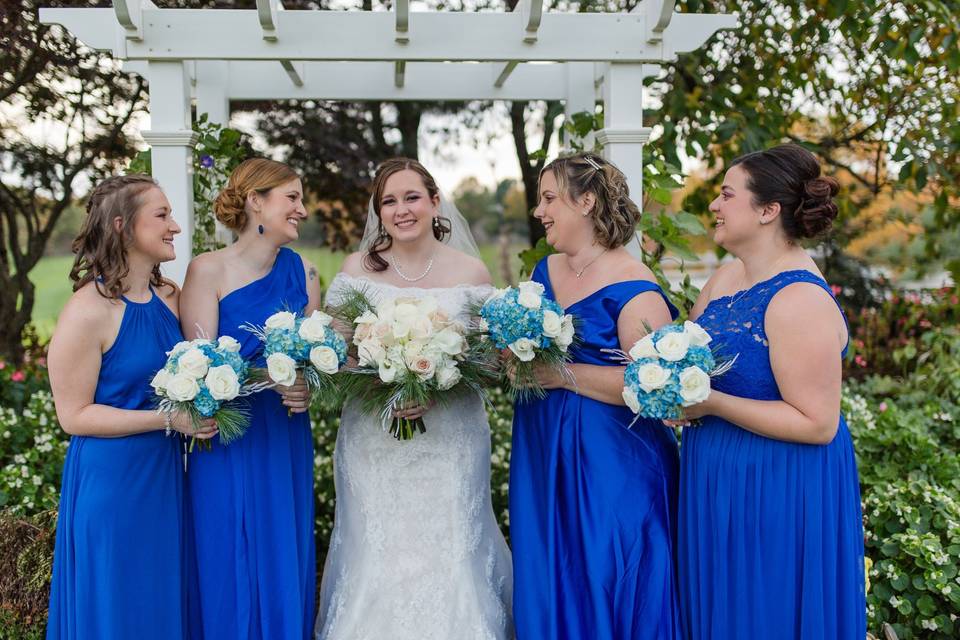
(689, 223)
(663, 196)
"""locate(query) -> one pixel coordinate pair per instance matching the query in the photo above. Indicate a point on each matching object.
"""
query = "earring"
(436, 225)
(586, 213)
(260, 229)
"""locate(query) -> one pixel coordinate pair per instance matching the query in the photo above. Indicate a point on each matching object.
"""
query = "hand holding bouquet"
(409, 353)
(670, 369)
(204, 379)
(533, 328)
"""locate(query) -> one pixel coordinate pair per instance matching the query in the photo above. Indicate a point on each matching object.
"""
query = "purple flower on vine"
(206, 161)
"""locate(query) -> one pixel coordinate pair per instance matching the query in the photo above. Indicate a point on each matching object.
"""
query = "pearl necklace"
(580, 273)
(396, 267)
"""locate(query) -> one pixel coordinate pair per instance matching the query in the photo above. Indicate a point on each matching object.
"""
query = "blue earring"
(260, 228)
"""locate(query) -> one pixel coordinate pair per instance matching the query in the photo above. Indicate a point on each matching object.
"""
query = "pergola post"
(581, 96)
(171, 140)
(211, 90)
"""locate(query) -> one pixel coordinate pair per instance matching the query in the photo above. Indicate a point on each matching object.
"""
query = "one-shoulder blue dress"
(593, 501)
(771, 538)
(252, 500)
(119, 569)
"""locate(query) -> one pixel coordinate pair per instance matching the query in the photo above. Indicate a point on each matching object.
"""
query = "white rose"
(228, 344)
(424, 366)
(193, 363)
(421, 328)
(180, 347)
(531, 286)
(698, 336)
(524, 349)
(694, 386)
(498, 293)
(449, 342)
(528, 297)
(281, 320)
(314, 328)
(652, 377)
(370, 351)
(405, 311)
(367, 317)
(182, 388)
(448, 376)
(325, 359)
(160, 381)
(552, 324)
(222, 382)
(566, 333)
(631, 400)
(673, 346)
(427, 305)
(388, 371)
(282, 369)
(644, 348)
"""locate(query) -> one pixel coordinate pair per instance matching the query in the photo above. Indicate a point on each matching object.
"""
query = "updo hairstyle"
(373, 261)
(615, 215)
(101, 250)
(256, 174)
(790, 175)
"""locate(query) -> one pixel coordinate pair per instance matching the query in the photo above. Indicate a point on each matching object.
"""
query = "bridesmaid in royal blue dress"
(252, 500)
(119, 562)
(771, 540)
(592, 499)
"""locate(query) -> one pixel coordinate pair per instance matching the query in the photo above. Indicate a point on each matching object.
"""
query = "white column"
(213, 77)
(581, 96)
(171, 140)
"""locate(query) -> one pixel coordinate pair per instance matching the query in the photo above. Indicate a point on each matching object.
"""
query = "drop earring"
(260, 229)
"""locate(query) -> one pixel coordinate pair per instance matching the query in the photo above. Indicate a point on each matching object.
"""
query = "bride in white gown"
(415, 551)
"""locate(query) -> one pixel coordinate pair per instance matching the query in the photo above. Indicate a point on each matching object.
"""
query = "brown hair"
(789, 175)
(256, 174)
(101, 250)
(441, 228)
(615, 215)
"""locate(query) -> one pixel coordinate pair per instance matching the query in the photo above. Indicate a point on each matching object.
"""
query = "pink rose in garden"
(18, 376)
(883, 407)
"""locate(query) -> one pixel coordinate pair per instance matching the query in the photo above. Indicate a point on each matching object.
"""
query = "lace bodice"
(736, 323)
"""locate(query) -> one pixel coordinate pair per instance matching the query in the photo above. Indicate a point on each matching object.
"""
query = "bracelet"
(167, 424)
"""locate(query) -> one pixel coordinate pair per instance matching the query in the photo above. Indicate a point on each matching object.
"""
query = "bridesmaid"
(119, 562)
(252, 501)
(592, 500)
(771, 542)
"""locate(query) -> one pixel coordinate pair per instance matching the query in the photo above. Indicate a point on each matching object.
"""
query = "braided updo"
(615, 215)
(256, 174)
(790, 175)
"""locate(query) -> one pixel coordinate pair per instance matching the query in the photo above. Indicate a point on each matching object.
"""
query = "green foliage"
(218, 151)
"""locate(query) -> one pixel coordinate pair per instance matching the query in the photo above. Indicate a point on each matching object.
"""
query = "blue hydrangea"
(509, 321)
(205, 403)
(289, 342)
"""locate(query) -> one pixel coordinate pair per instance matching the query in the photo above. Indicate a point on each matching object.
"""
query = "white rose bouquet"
(205, 379)
(409, 352)
(533, 328)
(669, 369)
(295, 343)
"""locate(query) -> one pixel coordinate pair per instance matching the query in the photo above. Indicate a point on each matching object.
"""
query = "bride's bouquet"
(534, 329)
(294, 343)
(670, 369)
(205, 379)
(409, 353)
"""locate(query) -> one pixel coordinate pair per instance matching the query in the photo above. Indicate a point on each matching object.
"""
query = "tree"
(48, 79)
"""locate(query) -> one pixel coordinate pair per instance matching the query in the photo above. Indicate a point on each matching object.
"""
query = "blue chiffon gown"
(771, 540)
(119, 566)
(252, 500)
(593, 502)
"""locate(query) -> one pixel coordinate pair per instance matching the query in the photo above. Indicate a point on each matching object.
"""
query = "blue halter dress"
(771, 538)
(252, 500)
(593, 501)
(119, 569)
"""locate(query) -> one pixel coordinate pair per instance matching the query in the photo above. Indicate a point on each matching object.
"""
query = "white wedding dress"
(415, 551)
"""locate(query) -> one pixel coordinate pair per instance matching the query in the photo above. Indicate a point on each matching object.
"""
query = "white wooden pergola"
(213, 56)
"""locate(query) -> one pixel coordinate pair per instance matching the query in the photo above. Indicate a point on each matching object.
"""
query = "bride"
(415, 551)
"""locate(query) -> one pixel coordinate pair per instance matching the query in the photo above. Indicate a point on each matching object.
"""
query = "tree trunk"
(530, 171)
(408, 122)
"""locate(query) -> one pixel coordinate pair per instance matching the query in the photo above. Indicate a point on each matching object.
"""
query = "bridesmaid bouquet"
(669, 369)
(409, 352)
(534, 329)
(205, 378)
(295, 343)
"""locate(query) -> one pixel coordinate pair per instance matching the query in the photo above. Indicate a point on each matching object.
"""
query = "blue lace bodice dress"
(771, 540)
(252, 500)
(593, 501)
(119, 567)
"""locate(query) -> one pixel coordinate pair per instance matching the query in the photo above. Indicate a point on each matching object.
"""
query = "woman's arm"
(314, 293)
(806, 334)
(200, 298)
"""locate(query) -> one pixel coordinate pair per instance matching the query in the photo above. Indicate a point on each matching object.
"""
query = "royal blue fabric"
(593, 502)
(771, 540)
(119, 563)
(252, 500)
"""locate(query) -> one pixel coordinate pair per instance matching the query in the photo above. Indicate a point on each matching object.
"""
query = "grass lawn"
(54, 286)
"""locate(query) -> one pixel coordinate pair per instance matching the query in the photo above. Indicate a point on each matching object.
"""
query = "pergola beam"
(204, 34)
(664, 17)
(267, 14)
(402, 9)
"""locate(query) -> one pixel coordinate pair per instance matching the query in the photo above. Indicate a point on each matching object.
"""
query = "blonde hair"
(256, 174)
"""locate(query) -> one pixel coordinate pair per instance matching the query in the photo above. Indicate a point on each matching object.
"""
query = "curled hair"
(256, 174)
(790, 175)
(101, 250)
(373, 261)
(615, 215)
